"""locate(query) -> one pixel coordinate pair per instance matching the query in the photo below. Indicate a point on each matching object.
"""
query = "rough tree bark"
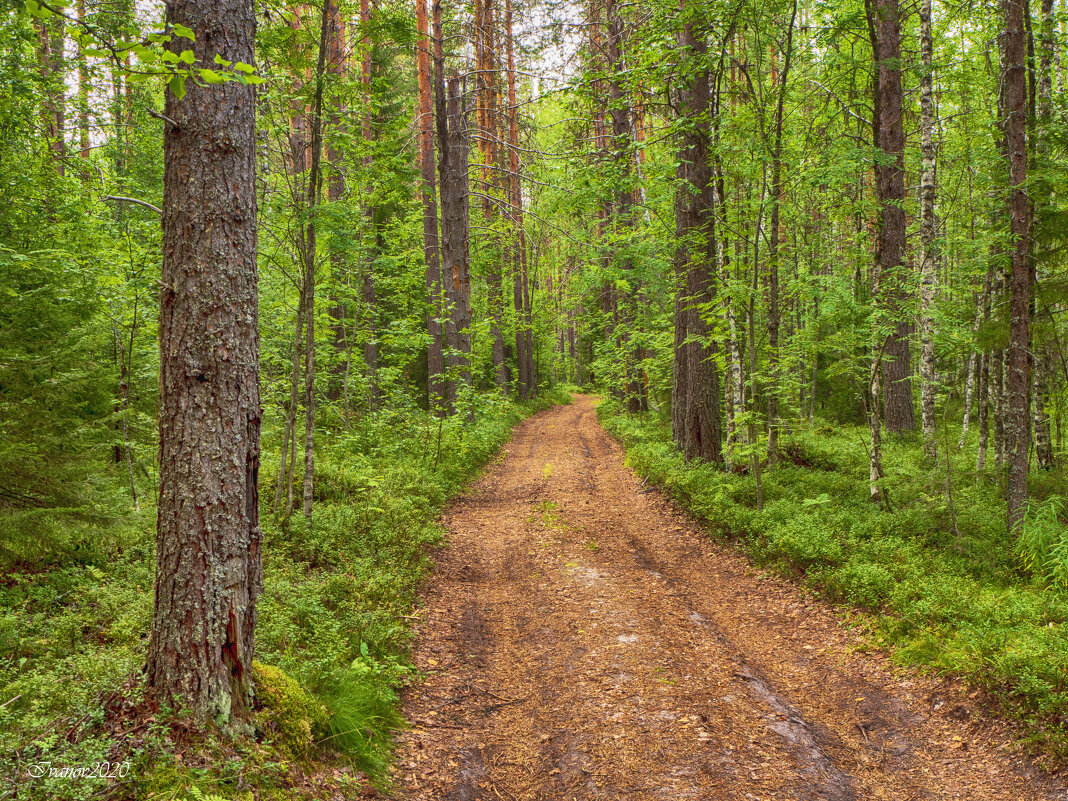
(51, 36)
(487, 83)
(885, 24)
(1018, 356)
(524, 336)
(696, 419)
(620, 113)
(453, 143)
(208, 560)
(436, 389)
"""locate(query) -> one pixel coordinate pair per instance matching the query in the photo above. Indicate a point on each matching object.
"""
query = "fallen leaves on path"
(584, 640)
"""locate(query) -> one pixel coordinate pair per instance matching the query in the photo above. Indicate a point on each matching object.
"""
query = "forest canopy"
(301, 265)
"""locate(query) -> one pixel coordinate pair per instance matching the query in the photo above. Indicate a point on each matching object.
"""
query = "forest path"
(584, 640)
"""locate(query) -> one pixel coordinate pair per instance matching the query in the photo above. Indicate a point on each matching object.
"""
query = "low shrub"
(946, 586)
(333, 619)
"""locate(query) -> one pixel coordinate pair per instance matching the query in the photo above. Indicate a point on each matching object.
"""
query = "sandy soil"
(583, 639)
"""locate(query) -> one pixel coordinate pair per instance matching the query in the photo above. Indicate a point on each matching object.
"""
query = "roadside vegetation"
(335, 623)
(942, 584)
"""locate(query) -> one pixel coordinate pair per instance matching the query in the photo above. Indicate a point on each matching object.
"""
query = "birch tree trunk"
(930, 256)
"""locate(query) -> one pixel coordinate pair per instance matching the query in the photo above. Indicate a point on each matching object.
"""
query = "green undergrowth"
(944, 586)
(333, 630)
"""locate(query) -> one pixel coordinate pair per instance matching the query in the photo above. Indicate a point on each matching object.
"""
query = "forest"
(278, 281)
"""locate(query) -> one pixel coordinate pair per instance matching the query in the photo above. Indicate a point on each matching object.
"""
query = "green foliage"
(333, 627)
(949, 600)
(1042, 547)
(292, 717)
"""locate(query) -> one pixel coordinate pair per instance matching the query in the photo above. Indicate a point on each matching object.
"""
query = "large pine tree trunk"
(1018, 356)
(890, 180)
(453, 141)
(696, 418)
(208, 560)
(436, 389)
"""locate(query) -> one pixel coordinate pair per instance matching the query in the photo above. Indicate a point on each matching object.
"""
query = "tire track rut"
(583, 639)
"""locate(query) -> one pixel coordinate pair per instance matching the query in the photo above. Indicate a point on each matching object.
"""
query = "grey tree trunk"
(774, 245)
(930, 258)
(208, 538)
(310, 246)
(1018, 357)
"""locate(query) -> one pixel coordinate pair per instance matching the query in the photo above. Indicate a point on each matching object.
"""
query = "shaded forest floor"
(584, 639)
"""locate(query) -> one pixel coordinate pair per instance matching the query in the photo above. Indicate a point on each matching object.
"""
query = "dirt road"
(585, 640)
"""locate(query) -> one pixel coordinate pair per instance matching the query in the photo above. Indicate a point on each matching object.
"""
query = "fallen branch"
(135, 201)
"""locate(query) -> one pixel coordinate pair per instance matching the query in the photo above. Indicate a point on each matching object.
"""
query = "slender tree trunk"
(286, 465)
(620, 113)
(984, 410)
(774, 312)
(50, 41)
(336, 66)
(930, 258)
(1044, 116)
(367, 284)
(208, 560)
(1018, 361)
(981, 363)
(1043, 437)
(487, 82)
(997, 403)
(124, 405)
(970, 369)
(83, 91)
(518, 253)
(436, 388)
(315, 183)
